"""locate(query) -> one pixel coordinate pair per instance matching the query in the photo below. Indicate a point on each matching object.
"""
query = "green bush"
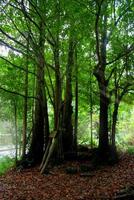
(5, 164)
(130, 149)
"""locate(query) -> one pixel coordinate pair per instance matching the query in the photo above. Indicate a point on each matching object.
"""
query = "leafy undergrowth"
(104, 183)
(5, 164)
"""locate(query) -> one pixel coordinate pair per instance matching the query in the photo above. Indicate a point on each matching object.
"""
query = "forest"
(67, 99)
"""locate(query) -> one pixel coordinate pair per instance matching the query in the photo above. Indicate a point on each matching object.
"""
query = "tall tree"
(68, 109)
(25, 106)
(99, 72)
(41, 124)
(102, 73)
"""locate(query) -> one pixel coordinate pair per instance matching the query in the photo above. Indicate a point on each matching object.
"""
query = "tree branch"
(116, 22)
(18, 67)
(35, 8)
(23, 9)
(12, 38)
(11, 47)
(52, 102)
(84, 5)
(121, 55)
(124, 91)
(97, 31)
(17, 93)
(111, 73)
(50, 81)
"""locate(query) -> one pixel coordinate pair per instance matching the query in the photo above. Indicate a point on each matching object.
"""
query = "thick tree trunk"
(57, 105)
(68, 110)
(76, 105)
(57, 100)
(37, 143)
(41, 124)
(103, 121)
(58, 91)
(100, 73)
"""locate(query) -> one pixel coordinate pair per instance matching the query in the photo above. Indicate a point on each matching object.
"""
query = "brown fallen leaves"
(29, 184)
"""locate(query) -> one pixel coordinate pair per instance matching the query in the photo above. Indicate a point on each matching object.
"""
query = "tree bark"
(76, 105)
(58, 90)
(24, 135)
(41, 123)
(68, 110)
(16, 132)
(103, 121)
(114, 121)
(91, 111)
(99, 72)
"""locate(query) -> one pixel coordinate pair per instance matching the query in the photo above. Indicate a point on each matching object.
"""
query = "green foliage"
(125, 126)
(130, 149)
(5, 164)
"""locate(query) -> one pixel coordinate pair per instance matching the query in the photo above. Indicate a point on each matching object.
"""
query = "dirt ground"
(102, 183)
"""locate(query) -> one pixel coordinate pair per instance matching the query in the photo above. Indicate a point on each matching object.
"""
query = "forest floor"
(102, 183)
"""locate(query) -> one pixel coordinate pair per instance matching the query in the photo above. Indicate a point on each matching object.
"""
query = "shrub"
(5, 164)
